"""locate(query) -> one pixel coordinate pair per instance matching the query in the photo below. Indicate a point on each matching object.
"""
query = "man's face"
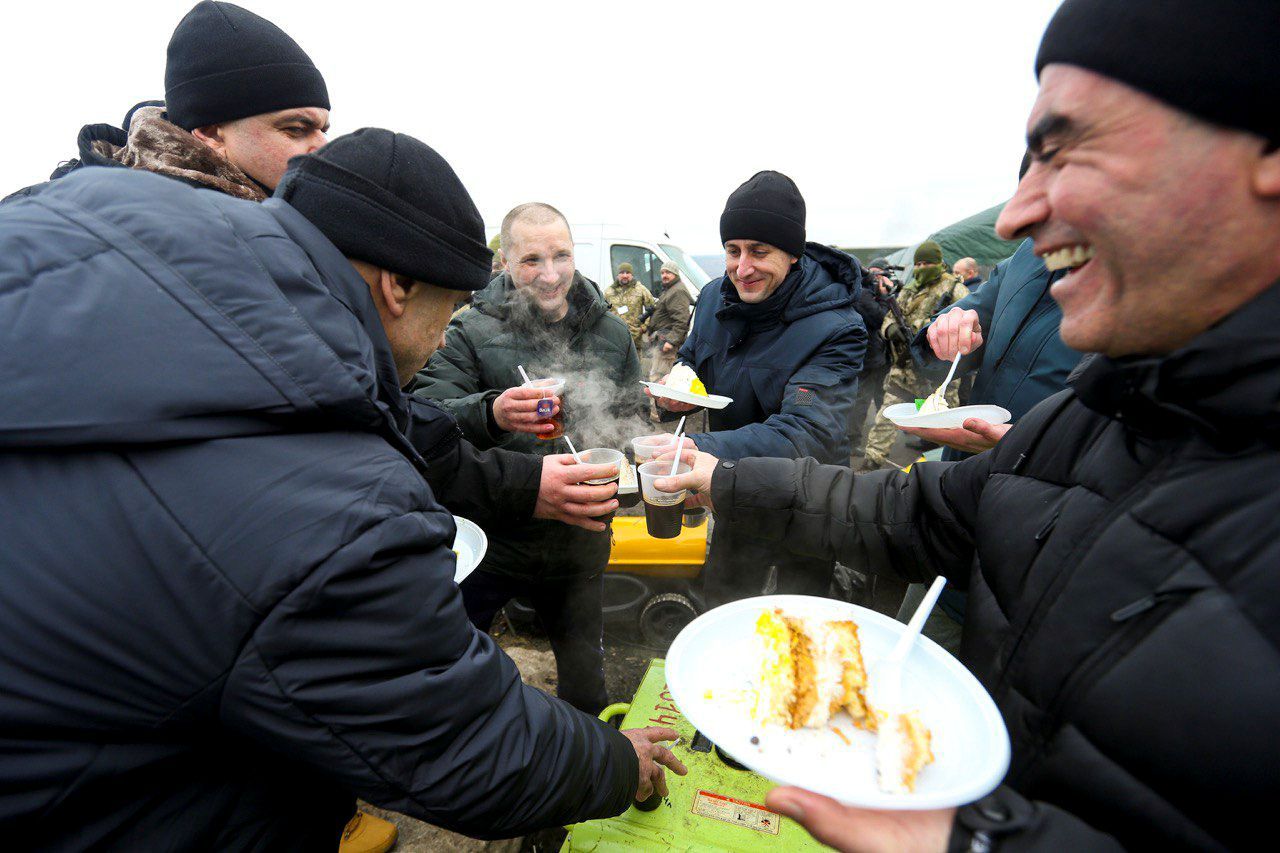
(419, 331)
(668, 277)
(756, 269)
(625, 278)
(260, 146)
(1135, 199)
(540, 262)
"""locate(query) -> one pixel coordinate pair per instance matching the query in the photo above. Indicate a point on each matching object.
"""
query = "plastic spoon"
(888, 680)
(569, 442)
(675, 463)
(523, 375)
(942, 389)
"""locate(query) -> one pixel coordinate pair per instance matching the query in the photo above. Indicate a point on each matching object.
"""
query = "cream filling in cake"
(812, 669)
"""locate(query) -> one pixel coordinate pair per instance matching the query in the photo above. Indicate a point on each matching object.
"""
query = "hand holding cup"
(516, 410)
(563, 493)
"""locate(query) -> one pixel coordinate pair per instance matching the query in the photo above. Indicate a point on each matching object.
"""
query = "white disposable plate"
(711, 401)
(904, 415)
(469, 544)
(711, 668)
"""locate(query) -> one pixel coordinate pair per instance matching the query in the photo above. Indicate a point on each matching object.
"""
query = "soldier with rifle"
(930, 290)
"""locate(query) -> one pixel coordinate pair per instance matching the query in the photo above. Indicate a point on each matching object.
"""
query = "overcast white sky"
(647, 113)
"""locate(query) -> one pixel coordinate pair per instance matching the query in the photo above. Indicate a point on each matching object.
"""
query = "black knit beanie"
(768, 208)
(1215, 59)
(387, 199)
(226, 63)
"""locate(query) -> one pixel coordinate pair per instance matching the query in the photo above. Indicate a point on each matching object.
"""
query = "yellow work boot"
(368, 834)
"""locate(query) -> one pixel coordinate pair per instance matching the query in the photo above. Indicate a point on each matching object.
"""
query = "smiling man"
(780, 334)
(545, 316)
(1118, 544)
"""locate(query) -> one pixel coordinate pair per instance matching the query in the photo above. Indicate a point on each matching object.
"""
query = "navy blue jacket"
(793, 375)
(1022, 359)
(226, 596)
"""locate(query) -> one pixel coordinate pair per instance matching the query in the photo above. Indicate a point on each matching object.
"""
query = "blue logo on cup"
(545, 407)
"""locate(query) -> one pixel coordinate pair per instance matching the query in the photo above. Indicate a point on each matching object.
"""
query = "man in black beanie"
(1119, 543)
(241, 99)
(229, 605)
(781, 336)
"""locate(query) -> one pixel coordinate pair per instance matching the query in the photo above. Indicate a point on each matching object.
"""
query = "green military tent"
(971, 237)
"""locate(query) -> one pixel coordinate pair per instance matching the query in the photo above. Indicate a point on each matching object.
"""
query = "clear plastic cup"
(663, 511)
(551, 387)
(646, 447)
(603, 456)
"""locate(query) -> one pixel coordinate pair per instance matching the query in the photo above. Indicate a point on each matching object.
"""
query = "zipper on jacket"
(1048, 527)
(1138, 619)
(1139, 489)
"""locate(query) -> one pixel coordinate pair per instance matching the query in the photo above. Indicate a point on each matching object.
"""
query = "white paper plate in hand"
(711, 668)
(711, 401)
(904, 415)
(469, 544)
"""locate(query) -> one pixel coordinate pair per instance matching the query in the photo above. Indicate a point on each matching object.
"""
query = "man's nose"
(318, 141)
(1029, 206)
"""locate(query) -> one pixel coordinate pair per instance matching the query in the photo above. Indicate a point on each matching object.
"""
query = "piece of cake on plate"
(683, 378)
(809, 671)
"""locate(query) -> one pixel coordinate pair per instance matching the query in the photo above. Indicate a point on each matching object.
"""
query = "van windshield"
(693, 273)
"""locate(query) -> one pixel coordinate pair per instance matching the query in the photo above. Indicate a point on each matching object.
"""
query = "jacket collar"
(586, 302)
(1224, 384)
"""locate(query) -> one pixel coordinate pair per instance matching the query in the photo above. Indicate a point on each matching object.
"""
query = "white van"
(598, 249)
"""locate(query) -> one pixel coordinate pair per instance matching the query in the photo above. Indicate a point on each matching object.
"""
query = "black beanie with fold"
(389, 200)
(225, 63)
(768, 208)
(1218, 60)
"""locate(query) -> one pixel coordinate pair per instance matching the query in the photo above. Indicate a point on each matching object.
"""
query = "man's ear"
(1266, 174)
(395, 290)
(212, 136)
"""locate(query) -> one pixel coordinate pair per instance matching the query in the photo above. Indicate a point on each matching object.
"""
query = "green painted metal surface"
(715, 808)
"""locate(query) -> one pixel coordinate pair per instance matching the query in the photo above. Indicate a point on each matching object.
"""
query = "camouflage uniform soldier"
(930, 290)
(628, 299)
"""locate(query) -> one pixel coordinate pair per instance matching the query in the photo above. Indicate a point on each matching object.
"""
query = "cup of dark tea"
(550, 388)
(663, 511)
(603, 456)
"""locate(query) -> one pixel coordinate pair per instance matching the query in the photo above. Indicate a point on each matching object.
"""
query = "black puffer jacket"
(226, 591)
(1121, 553)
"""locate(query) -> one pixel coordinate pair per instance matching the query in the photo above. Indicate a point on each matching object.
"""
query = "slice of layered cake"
(811, 669)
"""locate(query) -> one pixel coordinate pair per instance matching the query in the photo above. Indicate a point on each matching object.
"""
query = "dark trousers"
(571, 612)
(740, 568)
(870, 398)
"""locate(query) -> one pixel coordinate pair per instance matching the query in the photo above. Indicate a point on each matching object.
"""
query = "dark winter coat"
(483, 348)
(226, 597)
(790, 363)
(1022, 359)
(1120, 550)
(873, 307)
(669, 323)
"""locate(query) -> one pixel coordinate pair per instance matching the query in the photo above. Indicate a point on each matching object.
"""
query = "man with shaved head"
(967, 270)
(1118, 543)
(544, 315)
